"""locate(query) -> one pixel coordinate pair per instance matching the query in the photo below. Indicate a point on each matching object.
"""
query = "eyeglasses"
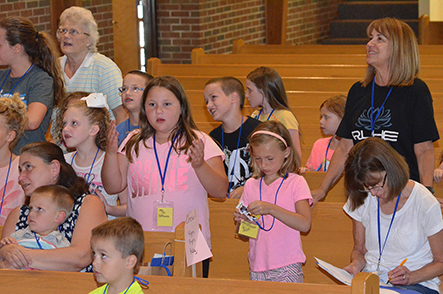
(375, 188)
(123, 90)
(71, 32)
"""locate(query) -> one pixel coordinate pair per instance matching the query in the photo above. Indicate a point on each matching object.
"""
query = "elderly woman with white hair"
(84, 69)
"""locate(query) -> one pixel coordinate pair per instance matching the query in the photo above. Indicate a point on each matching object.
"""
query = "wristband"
(431, 190)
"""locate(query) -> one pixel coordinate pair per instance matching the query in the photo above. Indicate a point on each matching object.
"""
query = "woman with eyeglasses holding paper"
(84, 69)
(397, 222)
(33, 73)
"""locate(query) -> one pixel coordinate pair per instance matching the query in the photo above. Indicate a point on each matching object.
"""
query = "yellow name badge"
(164, 216)
(248, 229)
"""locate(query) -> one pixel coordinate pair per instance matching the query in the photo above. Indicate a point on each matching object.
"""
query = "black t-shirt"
(242, 169)
(407, 118)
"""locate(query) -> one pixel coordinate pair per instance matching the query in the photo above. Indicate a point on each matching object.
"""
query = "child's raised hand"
(112, 138)
(196, 153)
(260, 207)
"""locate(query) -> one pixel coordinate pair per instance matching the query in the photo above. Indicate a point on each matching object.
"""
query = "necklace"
(7, 75)
(92, 166)
(275, 203)
(235, 158)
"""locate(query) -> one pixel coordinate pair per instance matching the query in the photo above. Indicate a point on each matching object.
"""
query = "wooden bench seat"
(239, 47)
(200, 57)
(48, 282)
(156, 68)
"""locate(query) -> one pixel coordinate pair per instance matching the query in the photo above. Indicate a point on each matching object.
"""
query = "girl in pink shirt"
(282, 200)
(167, 165)
(331, 113)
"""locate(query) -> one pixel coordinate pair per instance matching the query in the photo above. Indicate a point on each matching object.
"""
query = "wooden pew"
(239, 47)
(333, 84)
(200, 57)
(156, 68)
(330, 239)
(154, 243)
(47, 282)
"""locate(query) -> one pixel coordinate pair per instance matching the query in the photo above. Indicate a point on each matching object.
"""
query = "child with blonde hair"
(13, 122)
(282, 200)
(85, 124)
(331, 112)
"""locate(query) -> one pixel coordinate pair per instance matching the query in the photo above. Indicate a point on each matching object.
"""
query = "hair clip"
(96, 100)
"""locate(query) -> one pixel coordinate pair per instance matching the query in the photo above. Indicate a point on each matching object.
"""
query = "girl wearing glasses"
(32, 72)
(134, 83)
(397, 222)
(84, 69)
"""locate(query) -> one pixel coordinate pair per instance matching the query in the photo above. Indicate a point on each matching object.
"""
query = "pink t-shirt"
(318, 153)
(281, 246)
(14, 195)
(182, 185)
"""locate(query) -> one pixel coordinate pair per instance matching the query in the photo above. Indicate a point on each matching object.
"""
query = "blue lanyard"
(326, 155)
(275, 203)
(6, 183)
(261, 110)
(380, 248)
(38, 242)
(140, 280)
(92, 166)
(372, 107)
(163, 176)
(7, 75)
(235, 158)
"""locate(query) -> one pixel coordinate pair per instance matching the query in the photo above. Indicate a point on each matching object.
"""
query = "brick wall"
(308, 21)
(214, 24)
(37, 11)
(102, 12)
(211, 24)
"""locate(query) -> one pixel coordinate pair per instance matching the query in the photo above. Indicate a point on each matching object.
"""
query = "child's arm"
(295, 136)
(300, 220)
(115, 166)
(7, 241)
(236, 194)
(115, 210)
(211, 172)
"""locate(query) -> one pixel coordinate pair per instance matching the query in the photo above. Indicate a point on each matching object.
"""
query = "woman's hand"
(399, 275)
(438, 174)
(196, 153)
(16, 256)
(352, 268)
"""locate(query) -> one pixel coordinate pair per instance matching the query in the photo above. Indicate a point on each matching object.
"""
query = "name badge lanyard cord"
(372, 107)
(261, 110)
(235, 158)
(275, 203)
(92, 166)
(326, 156)
(380, 248)
(7, 75)
(163, 176)
(6, 183)
(140, 280)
